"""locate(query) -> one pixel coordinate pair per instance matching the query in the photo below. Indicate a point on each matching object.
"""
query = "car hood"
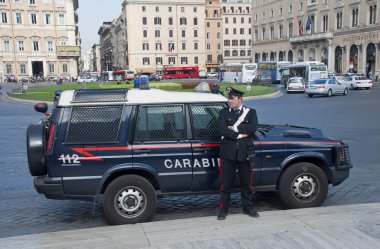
(286, 131)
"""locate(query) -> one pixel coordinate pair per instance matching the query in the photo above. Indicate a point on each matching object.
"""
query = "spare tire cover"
(35, 142)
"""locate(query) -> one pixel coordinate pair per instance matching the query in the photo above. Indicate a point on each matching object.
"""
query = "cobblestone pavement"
(353, 119)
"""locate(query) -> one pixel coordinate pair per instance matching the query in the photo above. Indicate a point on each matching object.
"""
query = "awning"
(144, 70)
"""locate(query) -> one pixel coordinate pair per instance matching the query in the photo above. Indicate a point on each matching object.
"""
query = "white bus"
(308, 70)
(248, 72)
(231, 72)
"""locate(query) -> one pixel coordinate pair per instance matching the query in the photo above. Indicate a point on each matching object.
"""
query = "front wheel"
(345, 92)
(303, 185)
(129, 199)
(329, 93)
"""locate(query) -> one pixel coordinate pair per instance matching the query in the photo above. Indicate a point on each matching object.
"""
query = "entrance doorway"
(353, 63)
(371, 60)
(338, 59)
(37, 68)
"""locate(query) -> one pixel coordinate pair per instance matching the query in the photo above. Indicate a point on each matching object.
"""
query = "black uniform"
(234, 152)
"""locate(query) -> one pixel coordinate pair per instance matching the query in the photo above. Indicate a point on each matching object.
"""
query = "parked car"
(356, 82)
(262, 78)
(295, 84)
(212, 74)
(154, 77)
(11, 78)
(343, 80)
(203, 75)
(131, 145)
(23, 79)
(87, 80)
(326, 87)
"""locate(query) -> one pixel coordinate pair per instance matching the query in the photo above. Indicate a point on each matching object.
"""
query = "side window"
(204, 121)
(160, 123)
(94, 125)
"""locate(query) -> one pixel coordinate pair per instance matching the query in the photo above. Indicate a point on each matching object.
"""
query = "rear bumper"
(52, 188)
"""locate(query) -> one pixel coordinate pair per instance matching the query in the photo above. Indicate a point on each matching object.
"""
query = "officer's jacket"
(232, 147)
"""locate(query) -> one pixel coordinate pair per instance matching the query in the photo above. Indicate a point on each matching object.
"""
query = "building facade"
(237, 30)
(39, 38)
(345, 35)
(214, 35)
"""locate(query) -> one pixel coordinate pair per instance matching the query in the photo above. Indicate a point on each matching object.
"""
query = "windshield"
(319, 82)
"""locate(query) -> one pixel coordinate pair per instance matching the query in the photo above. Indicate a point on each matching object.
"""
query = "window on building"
(157, 33)
(301, 6)
(32, 1)
(182, 21)
(144, 20)
(157, 9)
(290, 8)
(171, 46)
(235, 43)
(33, 18)
(182, 9)
(18, 18)
(256, 35)
(234, 31)
(2, 1)
(263, 32)
(146, 61)
(240, 10)
(170, 33)
(339, 18)
(235, 53)
(272, 12)
(170, 20)
(158, 46)
(272, 32)
(226, 31)
(50, 46)
(208, 46)
(218, 46)
(35, 46)
(354, 17)
(145, 33)
(242, 42)
(51, 68)
(195, 21)
(183, 32)
(195, 33)
(158, 60)
(242, 52)
(195, 9)
(281, 30)
(226, 53)
(218, 24)
(6, 46)
(170, 9)
(207, 24)
(183, 60)
(234, 20)
(61, 19)
(143, 8)
(4, 18)
(372, 14)
(64, 68)
(242, 31)
(290, 29)
(195, 45)
(145, 46)
(9, 68)
(242, 20)
(157, 20)
(325, 23)
(218, 35)
(226, 20)
(22, 69)
(47, 19)
(21, 46)
(196, 60)
(227, 43)
(183, 46)
(207, 35)
(232, 9)
(171, 60)
(280, 12)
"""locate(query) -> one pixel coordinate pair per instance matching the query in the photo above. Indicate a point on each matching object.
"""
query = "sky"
(92, 14)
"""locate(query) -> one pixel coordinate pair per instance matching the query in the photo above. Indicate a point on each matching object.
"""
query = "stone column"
(330, 56)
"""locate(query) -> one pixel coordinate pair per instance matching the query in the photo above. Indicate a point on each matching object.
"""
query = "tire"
(329, 93)
(345, 92)
(351, 86)
(133, 189)
(310, 95)
(303, 175)
(35, 146)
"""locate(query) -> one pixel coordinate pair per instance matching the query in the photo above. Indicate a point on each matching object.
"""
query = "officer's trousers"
(228, 172)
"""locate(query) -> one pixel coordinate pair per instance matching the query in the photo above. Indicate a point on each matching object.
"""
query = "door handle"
(201, 149)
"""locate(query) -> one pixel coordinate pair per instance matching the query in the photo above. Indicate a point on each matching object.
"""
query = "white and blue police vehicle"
(133, 145)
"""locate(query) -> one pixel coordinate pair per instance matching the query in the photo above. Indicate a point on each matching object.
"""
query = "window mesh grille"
(204, 121)
(100, 95)
(89, 125)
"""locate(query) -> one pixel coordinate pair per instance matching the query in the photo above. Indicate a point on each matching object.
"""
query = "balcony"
(311, 37)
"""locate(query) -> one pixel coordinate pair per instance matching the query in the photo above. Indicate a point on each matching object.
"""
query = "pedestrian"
(237, 125)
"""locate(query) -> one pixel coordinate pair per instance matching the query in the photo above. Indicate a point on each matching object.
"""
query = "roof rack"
(100, 95)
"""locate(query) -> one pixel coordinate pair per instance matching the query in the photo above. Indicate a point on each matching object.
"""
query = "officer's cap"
(232, 92)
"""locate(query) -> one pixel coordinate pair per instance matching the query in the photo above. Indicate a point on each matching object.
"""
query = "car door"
(205, 145)
(160, 146)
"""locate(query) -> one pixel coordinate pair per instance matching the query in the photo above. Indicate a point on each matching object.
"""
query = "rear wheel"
(351, 86)
(329, 93)
(303, 185)
(345, 92)
(310, 95)
(129, 199)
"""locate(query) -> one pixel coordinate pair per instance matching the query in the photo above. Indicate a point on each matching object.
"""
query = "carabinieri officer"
(237, 125)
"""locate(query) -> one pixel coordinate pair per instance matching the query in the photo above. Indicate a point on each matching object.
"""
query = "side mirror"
(41, 107)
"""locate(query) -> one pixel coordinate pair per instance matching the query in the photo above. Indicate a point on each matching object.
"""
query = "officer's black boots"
(222, 216)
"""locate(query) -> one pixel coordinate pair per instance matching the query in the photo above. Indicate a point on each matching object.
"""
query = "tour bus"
(231, 72)
(180, 72)
(274, 67)
(248, 72)
(123, 75)
(308, 70)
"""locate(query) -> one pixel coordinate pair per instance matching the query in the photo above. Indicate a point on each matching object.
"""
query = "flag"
(171, 45)
(300, 27)
(308, 24)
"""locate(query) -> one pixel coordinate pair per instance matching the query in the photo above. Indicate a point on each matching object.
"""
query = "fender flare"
(300, 155)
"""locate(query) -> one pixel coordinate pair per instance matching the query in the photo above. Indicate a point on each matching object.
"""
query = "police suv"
(134, 145)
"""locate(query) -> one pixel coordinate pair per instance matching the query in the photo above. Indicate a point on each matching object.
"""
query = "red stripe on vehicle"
(271, 143)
